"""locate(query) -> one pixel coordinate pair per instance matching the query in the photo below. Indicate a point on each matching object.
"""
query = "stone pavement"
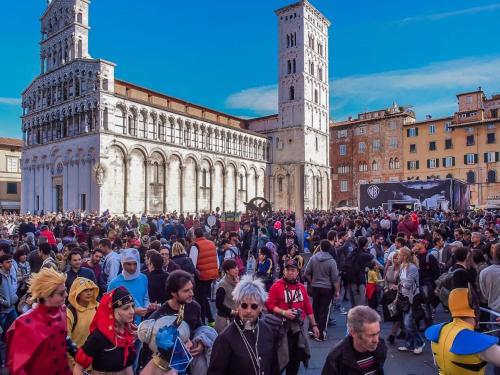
(397, 363)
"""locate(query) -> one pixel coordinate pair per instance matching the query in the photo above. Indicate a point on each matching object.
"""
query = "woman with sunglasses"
(37, 339)
(247, 345)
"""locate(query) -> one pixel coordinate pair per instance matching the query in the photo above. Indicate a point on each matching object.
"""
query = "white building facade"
(96, 143)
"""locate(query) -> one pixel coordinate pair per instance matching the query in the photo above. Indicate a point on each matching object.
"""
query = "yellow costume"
(455, 346)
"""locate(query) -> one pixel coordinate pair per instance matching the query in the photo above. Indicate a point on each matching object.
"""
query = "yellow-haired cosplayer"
(457, 348)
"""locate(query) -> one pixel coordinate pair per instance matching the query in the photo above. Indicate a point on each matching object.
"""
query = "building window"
(392, 125)
(491, 126)
(469, 130)
(280, 184)
(449, 175)
(362, 147)
(375, 165)
(432, 146)
(316, 97)
(204, 178)
(492, 176)
(494, 113)
(470, 140)
(291, 95)
(432, 163)
(343, 186)
(412, 132)
(11, 187)
(413, 164)
(413, 148)
(83, 202)
(490, 138)
(363, 167)
(375, 128)
(449, 161)
(447, 127)
(393, 143)
(491, 157)
(448, 144)
(471, 177)
(288, 67)
(12, 165)
(317, 145)
(468, 99)
(376, 145)
(343, 169)
(342, 133)
(361, 130)
(342, 149)
(470, 159)
(432, 129)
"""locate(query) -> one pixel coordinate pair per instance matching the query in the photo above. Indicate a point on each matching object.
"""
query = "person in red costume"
(36, 342)
(110, 345)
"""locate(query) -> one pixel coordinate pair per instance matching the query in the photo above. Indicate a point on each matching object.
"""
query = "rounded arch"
(159, 151)
(140, 148)
(192, 156)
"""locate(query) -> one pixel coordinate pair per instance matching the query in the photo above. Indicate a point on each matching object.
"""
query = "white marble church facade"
(97, 143)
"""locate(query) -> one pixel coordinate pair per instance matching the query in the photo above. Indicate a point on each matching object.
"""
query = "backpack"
(72, 308)
(351, 268)
(239, 263)
(444, 285)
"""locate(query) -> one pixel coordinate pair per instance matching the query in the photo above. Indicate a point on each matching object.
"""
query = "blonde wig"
(45, 282)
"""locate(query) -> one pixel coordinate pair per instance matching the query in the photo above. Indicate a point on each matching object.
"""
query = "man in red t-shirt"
(288, 298)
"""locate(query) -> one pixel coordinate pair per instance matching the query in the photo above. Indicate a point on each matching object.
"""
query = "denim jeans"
(413, 338)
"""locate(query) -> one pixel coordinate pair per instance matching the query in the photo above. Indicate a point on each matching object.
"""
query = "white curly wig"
(249, 287)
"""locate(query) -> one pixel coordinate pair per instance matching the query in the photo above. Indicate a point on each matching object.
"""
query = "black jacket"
(342, 359)
(230, 356)
(156, 286)
(185, 263)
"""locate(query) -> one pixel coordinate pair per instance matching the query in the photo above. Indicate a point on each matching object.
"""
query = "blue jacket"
(8, 296)
(137, 287)
(82, 272)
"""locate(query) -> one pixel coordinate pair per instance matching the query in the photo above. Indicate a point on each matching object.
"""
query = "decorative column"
(165, 165)
(126, 161)
(246, 186)
(211, 170)
(289, 193)
(181, 187)
(235, 189)
(223, 190)
(197, 187)
(146, 187)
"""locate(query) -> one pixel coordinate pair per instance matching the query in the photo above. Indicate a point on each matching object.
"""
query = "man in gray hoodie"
(323, 275)
(8, 296)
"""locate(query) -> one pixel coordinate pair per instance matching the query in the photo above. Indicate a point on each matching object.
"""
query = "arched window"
(80, 48)
(391, 163)
(291, 94)
(311, 68)
(156, 173)
(289, 67)
(317, 146)
(396, 163)
(316, 97)
(143, 126)
(120, 121)
(471, 177)
(241, 182)
(79, 17)
(374, 165)
(132, 129)
(204, 178)
(492, 176)
(449, 175)
(161, 130)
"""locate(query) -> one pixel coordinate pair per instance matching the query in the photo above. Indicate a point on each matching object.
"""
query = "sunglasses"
(245, 305)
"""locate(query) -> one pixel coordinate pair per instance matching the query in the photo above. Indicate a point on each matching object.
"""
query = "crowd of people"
(100, 294)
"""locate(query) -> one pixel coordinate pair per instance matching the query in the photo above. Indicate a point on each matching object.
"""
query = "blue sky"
(223, 54)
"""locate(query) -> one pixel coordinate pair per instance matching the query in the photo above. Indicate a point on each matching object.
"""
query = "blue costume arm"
(469, 342)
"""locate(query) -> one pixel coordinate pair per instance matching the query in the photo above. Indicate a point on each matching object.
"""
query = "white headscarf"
(128, 256)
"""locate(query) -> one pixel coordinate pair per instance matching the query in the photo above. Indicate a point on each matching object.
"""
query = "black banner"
(432, 194)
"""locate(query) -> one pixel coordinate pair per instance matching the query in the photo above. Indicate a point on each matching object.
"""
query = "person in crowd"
(81, 309)
(168, 264)
(288, 299)
(109, 347)
(36, 341)
(76, 269)
(111, 266)
(408, 289)
(373, 280)
(224, 302)
(362, 351)
(389, 299)
(322, 273)
(247, 346)
(45, 253)
(265, 267)
(354, 272)
(157, 277)
(180, 257)
(456, 347)
(22, 268)
(203, 253)
(94, 263)
(8, 294)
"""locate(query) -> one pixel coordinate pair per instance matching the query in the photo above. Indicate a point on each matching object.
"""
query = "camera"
(298, 315)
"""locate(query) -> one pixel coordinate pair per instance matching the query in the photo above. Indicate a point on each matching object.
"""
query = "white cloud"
(10, 101)
(430, 88)
(261, 100)
(455, 13)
